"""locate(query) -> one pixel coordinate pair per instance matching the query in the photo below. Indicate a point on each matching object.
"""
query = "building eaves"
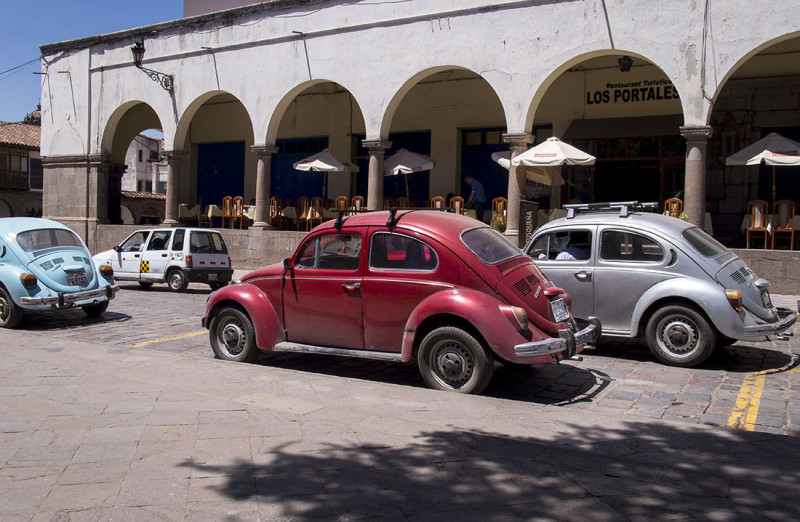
(20, 135)
(131, 194)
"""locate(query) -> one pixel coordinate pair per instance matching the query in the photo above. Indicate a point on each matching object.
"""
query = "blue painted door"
(220, 171)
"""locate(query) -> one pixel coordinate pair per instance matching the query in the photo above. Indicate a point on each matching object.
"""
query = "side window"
(397, 252)
(135, 242)
(207, 243)
(616, 245)
(177, 240)
(159, 240)
(341, 251)
(564, 245)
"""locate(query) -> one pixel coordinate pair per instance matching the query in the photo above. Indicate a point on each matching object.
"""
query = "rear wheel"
(680, 336)
(451, 359)
(93, 310)
(10, 313)
(177, 280)
(233, 337)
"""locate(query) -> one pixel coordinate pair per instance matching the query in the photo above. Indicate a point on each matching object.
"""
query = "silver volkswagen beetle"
(648, 275)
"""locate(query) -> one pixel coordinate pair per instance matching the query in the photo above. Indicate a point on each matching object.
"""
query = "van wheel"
(232, 336)
(93, 310)
(680, 336)
(145, 284)
(216, 286)
(453, 360)
(177, 281)
(10, 313)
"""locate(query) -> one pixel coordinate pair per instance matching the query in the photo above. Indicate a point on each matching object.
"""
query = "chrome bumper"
(786, 318)
(567, 341)
(63, 299)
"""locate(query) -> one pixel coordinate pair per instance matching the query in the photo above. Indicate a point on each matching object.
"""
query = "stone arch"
(125, 123)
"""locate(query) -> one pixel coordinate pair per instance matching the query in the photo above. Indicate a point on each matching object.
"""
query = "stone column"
(516, 183)
(376, 149)
(263, 184)
(694, 193)
(174, 158)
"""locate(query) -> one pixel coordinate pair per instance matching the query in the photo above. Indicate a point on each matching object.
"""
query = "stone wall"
(22, 203)
(780, 267)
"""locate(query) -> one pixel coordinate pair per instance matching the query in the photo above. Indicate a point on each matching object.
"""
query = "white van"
(176, 256)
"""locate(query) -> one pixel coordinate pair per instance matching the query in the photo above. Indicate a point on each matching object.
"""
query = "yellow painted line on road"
(745, 412)
(162, 339)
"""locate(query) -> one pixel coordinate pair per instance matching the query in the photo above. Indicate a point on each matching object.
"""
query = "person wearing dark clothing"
(477, 196)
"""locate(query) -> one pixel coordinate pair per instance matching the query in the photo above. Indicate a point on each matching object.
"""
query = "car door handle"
(351, 287)
(163, 255)
(583, 276)
(135, 255)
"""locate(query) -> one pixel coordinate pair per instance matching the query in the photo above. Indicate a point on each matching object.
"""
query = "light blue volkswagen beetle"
(44, 265)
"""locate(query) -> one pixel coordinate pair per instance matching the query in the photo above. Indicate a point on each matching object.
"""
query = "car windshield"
(703, 243)
(489, 245)
(42, 238)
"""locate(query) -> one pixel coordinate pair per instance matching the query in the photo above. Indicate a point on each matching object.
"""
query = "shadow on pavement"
(632, 471)
(194, 288)
(58, 320)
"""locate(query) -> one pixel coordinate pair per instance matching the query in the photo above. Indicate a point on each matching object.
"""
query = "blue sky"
(29, 24)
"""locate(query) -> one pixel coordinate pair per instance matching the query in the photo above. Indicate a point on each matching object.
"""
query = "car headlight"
(106, 271)
(29, 281)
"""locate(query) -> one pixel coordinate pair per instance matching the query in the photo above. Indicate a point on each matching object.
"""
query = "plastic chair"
(237, 212)
(227, 211)
(783, 222)
(457, 205)
(757, 211)
(673, 207)
(437, 202)
(499, 209)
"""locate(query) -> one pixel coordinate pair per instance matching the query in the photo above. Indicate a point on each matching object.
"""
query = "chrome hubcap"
(232, 338)
(453, 363)
(678, 335)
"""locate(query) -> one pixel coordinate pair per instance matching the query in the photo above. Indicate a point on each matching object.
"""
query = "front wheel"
(93, 310)
(177, 281)
(216, 286)
(451, 359)
(10, 313)
(680, 336)
(233, 337)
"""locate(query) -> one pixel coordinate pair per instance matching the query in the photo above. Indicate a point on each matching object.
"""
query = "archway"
(623, 109)
(761, 94)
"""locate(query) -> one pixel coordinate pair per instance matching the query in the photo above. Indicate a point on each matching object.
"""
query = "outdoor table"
(186, 211)
(249, 211)
(290, 214)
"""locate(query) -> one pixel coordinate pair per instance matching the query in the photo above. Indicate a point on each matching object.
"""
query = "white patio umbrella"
(406, 162)
(536, 174)
(324, 161)
(774, 150)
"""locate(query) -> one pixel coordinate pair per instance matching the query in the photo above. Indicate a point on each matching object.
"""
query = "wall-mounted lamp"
(165, 80)
(625, 63)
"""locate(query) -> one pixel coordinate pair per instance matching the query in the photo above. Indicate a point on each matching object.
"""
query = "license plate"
(765, 297)
(77, 279)
(213, 276)
(560, 312)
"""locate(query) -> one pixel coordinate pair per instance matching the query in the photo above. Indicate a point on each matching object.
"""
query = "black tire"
(216, 286)
(233, 337)
(93, 310)
(451, 359)
(145, 284)
(10, 313)
(177, 280)
(680, 336)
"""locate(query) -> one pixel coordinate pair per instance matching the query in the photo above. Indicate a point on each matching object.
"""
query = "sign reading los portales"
(644, 91)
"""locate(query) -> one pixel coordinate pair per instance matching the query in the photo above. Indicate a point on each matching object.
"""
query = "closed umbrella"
(774, 150)
(324, 161)
(406, 162)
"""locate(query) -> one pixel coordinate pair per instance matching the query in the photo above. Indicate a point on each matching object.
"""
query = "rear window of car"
(207, 243)
(43, 238)
(703, 243)
(488, 245)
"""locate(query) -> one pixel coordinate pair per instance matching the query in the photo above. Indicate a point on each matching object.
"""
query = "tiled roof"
(20, 134)
(143, 195)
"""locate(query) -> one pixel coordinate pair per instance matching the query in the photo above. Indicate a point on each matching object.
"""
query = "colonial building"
(20, 168)
(660, 92)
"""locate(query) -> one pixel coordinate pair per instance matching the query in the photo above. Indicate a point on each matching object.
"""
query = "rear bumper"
(68, 299)
(208, 275)
(566, 343)
(786, 319)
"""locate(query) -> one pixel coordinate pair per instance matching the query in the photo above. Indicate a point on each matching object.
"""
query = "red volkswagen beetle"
(398, 285)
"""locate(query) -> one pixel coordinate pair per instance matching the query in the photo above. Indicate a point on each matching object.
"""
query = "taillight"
(188, 261)
(553, 292)
(229, 262)
(734, 298)
(29, 281)
(106, 271)
(516, 316)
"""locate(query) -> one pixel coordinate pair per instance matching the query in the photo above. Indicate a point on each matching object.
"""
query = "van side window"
(177, 240)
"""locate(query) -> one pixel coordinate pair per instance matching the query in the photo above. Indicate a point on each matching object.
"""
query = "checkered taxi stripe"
(144, 267)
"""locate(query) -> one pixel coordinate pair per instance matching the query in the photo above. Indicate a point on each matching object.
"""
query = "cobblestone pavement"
(129, 417)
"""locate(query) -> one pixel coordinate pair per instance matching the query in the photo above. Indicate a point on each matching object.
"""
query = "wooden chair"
(237, 211)
(275, 218)
(783, 222)
(314, 212)
(202, 217)
(227, 211)
(437, 202)
(499, 209)
(414, 203)
(342, 203)
(357, 203)
(403, 202)
(328, 204)
(673, 207)
(426, 203)
(388, 202)
(302, 212)
(457, 205)
(757, 221)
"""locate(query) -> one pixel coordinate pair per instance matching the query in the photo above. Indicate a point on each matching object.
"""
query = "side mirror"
(117, 248)
(287, 264)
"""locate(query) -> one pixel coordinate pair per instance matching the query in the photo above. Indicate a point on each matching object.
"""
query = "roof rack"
(625, 207)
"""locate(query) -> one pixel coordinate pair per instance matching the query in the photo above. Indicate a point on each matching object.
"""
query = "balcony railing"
(12, 180)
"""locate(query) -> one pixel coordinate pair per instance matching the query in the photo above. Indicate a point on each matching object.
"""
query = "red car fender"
(480, 310)
(266, 322)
